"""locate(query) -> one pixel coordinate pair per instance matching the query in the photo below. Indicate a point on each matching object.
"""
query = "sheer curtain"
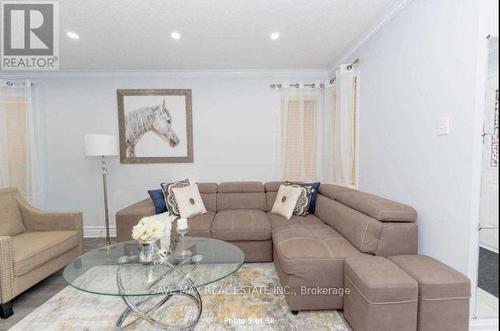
(344, 126)
(301, 137)
(19, 161)
(319, 130)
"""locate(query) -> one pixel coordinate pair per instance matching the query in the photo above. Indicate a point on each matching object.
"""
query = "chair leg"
(6, 310)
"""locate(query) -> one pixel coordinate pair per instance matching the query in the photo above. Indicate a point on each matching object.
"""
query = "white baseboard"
(489, 324)
(97, 231)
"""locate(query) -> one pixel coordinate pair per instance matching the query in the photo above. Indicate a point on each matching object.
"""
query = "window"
(14, 148)
(299, 137)
(18, 145)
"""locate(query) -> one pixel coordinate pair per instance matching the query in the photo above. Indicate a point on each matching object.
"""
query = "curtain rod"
(297, 85)
(353, 63)
(349, 68)
(314, 85)
(15, 83)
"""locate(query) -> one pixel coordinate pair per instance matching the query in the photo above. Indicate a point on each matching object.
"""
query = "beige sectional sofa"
(308, 252)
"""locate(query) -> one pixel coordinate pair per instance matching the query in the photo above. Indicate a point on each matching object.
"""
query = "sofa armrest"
(127, 217)
(398, 239)
(38, 220)
(6, 269)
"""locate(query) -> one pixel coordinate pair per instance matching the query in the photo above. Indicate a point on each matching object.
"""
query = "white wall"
(235, 123)
(419, 67)
(491, 16)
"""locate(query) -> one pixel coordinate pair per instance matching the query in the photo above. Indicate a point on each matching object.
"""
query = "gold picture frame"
(134, 124)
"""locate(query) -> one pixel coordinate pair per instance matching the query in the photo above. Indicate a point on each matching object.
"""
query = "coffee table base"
(135, 308)
(189, 290)
(154, 291)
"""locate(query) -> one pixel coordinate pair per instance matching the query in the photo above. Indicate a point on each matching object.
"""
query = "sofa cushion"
(199, 225)
(435, 279)
(271, 192)
(241, 224)
(379, 208)
(11, 222)
(302, 247)
(360, 229)
(240, 187)
(33, 249)
(444, 293)
(241, 195)
(398, 239)
(332, 190)
(273, 186)
(380, 280)
(381, 296)
(278, 220)
(208, 193)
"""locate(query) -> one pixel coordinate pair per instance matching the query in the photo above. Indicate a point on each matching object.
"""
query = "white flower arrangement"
(148, 230)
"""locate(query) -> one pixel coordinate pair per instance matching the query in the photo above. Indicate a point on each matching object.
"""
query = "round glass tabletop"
(116, 270)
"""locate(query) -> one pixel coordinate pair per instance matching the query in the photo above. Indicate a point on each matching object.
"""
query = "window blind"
(300, 138)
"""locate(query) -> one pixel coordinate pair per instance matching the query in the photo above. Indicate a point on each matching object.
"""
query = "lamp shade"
(101, 145)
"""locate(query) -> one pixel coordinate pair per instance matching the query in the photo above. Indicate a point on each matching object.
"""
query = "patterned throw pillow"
(173, 208)
(302, 206)
(314, 195)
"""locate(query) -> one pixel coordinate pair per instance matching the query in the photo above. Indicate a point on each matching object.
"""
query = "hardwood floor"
(28, 301)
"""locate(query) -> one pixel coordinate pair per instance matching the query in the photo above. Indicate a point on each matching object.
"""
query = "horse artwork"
(154, 118)
(155, 126)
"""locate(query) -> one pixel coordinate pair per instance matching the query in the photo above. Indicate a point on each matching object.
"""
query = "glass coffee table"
(145, 287)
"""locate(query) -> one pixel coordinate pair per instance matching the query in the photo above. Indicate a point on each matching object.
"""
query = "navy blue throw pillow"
(158, 200)
(314, 196)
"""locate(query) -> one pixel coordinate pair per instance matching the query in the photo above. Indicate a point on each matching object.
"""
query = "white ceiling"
(216, 34)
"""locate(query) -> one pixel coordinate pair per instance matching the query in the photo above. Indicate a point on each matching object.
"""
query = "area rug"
(250, 299)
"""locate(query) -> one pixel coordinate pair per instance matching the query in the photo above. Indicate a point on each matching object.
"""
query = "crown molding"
(396, 7)
(242, 73)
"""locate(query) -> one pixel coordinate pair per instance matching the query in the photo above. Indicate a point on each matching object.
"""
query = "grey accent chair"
(33, 245)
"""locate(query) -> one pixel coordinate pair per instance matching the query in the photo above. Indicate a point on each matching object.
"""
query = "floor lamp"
(102, 145)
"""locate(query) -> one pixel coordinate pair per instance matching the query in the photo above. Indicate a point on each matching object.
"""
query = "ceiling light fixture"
(274, 35)
(175, 35)
(73, 35)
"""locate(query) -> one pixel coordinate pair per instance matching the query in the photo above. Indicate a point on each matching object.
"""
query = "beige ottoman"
(443, 293)
(382, 296)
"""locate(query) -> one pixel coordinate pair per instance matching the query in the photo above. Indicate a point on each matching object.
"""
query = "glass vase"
(147, 251)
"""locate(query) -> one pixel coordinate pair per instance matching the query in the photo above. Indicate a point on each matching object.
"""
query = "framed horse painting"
(155, 126)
